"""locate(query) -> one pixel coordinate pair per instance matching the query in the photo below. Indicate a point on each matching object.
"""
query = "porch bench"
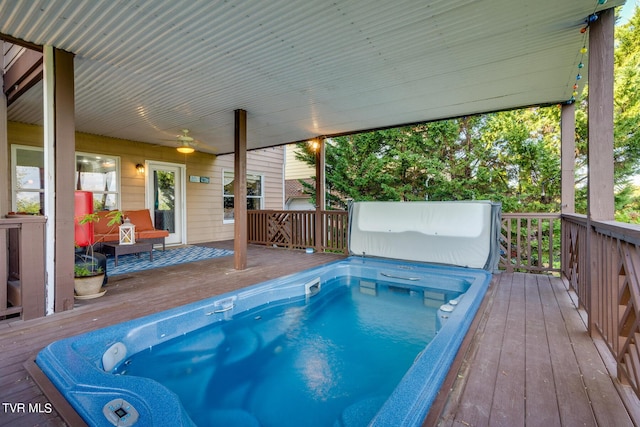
(102, 231)
(141, 218)
(145, 231)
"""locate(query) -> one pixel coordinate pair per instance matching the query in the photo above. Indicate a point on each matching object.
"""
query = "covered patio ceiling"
(144, 70)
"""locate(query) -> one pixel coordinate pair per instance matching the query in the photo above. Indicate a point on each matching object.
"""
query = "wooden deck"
(529, 362)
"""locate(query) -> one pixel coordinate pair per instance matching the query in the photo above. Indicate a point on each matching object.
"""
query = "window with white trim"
(255, 194)
(94, 172)
(100, 175)
(27, 169)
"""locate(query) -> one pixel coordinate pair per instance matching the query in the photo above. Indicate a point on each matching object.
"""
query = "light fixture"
(186, 142)
(185, 148)
(140, 168)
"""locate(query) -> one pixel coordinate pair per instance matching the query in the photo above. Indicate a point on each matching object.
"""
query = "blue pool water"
(317, 360)
(352, 343)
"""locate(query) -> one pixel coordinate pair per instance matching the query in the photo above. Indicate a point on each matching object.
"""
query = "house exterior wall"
(296, 169)
(204, 201)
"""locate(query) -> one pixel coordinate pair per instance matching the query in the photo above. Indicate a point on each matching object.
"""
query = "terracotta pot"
(88, 285)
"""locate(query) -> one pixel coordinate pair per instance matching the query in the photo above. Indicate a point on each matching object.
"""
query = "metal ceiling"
(147, 69)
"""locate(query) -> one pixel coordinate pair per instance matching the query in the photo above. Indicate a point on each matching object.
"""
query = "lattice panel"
(279, 229)
(628, 354)
(574, 254)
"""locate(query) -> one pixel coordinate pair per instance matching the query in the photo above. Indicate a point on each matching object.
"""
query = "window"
(96, 173)
(254, 194)
(99, 174)
(28, 183)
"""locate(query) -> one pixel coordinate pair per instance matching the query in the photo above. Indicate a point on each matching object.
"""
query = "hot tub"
(95, 371)
(86, 368)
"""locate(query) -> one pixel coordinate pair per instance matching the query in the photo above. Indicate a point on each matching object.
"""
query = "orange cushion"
(102, 226)
(140, 218)
(100, 238)
(151, 234)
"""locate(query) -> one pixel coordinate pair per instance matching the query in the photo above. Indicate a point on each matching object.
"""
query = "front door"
(165, 199)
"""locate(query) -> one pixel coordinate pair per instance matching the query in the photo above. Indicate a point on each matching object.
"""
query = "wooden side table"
(115, 249)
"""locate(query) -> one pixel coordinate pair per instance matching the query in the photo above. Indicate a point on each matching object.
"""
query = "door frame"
(180, 202)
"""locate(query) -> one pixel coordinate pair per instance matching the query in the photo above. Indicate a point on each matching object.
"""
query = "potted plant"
(89, 273)
(88, 279)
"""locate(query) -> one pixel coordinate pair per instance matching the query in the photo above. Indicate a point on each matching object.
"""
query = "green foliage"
(86, 270)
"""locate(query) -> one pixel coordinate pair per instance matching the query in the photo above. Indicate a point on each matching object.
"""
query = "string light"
(583, 51)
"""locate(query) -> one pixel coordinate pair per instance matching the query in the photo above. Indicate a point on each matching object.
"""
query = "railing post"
(32, 277)
(320, 194)
(318, 229)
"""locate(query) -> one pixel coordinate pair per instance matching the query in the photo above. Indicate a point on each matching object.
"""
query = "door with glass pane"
(165, 199)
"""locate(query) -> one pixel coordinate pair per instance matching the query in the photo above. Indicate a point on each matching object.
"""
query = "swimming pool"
(96, 372)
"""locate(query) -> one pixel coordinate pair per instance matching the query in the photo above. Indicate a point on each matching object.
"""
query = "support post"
(240, 191)
(600, 198)
(320, 192)
(5, 199)
(568, 158)
(60, 163)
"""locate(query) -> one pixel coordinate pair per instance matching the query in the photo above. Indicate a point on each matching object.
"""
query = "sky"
(627, 11)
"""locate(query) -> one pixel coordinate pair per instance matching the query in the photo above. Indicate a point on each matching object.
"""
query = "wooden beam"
(23, 74)
(568, 158)
(240, 191)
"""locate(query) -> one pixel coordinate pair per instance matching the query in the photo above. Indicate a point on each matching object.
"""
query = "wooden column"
(568, 158)
(320, 192)
(600, 198)
(240, 191)
(5, 198)
(600, 131)
(59, 156)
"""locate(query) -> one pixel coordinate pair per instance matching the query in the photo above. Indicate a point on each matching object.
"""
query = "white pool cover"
(460, 233)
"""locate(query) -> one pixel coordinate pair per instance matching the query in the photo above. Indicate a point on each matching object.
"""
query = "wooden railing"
(297, 229)
(22, 268)
(603, 266)
(530, 242)
(574, 256)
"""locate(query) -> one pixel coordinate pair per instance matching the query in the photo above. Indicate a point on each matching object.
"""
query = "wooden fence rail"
(602, 264)
(530, 242)
(297, 229)
(22, 268)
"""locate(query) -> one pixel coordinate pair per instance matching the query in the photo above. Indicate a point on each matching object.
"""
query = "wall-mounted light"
(140, 168)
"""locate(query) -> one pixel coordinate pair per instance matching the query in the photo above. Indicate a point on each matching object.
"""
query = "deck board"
(529, 360)
(541, 404)
(549, 371)
(508, 399)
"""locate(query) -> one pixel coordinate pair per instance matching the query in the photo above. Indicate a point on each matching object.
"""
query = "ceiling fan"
(186, 143)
